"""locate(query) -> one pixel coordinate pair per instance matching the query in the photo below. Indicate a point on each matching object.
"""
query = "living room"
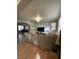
(38, 23)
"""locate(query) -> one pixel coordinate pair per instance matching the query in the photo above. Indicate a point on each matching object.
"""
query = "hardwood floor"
(28, 51)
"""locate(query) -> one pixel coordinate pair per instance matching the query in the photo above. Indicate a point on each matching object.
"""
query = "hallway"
(28, 51)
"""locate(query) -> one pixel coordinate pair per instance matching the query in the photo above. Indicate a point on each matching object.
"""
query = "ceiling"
(49, 10)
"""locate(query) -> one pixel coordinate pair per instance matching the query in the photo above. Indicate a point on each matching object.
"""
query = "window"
(53, 26)
(20, 27)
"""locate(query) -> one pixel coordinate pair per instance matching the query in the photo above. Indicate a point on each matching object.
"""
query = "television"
(40, 29)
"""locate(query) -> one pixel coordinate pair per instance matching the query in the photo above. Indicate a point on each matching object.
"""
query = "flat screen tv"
(40, 29)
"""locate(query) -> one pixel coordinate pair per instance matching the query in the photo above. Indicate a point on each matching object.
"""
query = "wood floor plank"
(28, 51)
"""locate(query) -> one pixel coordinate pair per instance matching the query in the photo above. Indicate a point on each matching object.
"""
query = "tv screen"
(40, 29)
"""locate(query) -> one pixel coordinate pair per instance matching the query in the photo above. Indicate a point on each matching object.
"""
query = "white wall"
(59, 25)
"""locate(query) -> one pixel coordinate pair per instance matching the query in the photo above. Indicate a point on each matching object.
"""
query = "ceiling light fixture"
(37, 18)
